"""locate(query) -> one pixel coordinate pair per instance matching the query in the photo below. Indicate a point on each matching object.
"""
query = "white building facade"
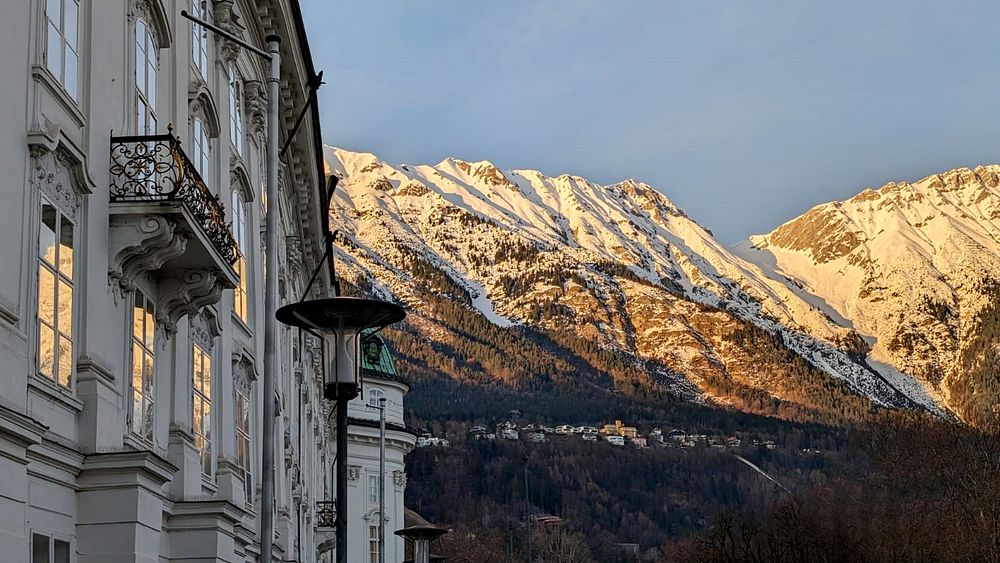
(131, 292)
(379, 380)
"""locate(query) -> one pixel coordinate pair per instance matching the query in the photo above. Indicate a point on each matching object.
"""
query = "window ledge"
(52, 391)
(239, 322)
(54, 87)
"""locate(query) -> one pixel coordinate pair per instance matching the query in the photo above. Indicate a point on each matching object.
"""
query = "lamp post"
(341, 321)
(273, 57)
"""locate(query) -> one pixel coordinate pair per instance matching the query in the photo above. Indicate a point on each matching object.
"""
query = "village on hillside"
(615, 434)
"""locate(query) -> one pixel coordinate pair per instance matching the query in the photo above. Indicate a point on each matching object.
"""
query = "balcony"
(167, 225)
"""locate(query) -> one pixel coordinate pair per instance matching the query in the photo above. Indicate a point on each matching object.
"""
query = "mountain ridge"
(618, 264)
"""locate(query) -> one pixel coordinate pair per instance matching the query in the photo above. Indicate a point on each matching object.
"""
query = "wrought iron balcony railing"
(326, 513)
(155, 168)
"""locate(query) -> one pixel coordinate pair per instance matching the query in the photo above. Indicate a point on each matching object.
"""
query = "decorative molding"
(142, 246)
(9, 313)
(58, 174)
(201, 104)
(187, 294)
(353, 472)
(256, 105)
(293, 255)
(89, 364)
(152, 11)
(399, 479)
(204, 328)
(224, 17)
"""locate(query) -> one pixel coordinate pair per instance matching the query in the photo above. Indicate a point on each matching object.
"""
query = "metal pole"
(270, 303)
(381, 480)
(341, 528)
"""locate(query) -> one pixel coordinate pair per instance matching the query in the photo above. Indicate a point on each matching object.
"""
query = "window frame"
(236, 122)
(241, 232)
(64, 45)
(145, 49)
(374, 394)
(146, 345)
(244, 438)
(199, 38)
(59, 330)
(202, 380)
(52, 539)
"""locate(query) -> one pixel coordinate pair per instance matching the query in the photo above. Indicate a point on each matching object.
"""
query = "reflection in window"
(143, 333)
(243, 441)
(62, 42)
(202, 400)
(55, 296)
(242, 235)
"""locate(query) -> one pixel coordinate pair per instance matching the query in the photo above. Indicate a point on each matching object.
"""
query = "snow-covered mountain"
(914, 268)
(617, 265)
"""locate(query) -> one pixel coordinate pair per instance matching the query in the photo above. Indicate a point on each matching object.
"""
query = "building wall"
(72, 468)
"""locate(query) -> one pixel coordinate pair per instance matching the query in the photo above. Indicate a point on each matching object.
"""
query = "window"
(202, 148)
(143, 333)
(55, 296)
(46, 549)
(373, 488)
(145, 79)
(242, 235)
(199, 37)
(61, 48)
(373, 543)
(243, 441)
(202, 416)
(235, 109)
(374, 395)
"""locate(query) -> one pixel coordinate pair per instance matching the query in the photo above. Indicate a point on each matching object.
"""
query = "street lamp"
(342, 322)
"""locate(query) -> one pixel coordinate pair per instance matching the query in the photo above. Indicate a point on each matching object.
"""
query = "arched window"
(235, 109)
(241, 233)
(199, 37)
(145, 79)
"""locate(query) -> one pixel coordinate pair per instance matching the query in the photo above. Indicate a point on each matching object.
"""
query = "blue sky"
(744, 113)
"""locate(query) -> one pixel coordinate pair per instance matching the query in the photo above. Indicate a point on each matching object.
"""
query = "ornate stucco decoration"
(153, 13)
(294, 256)
(353, 472)
(399, 479)
(140, 246)
(256, 105)
(55, 174)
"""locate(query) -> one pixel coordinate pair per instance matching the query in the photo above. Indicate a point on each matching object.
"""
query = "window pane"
(147, 375)
(70, 23)
(206, 375)
(66, 248)
(53, 51)
(148, 417)
(47, 234)
(46, 294)
(151, 79)
(196, 420)
(71, 71)
(39, 548)
(61, 552)
(150, 324)
(65, 361)
(65, 309)
(53, 11)
(137, 356)
(46, 350)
